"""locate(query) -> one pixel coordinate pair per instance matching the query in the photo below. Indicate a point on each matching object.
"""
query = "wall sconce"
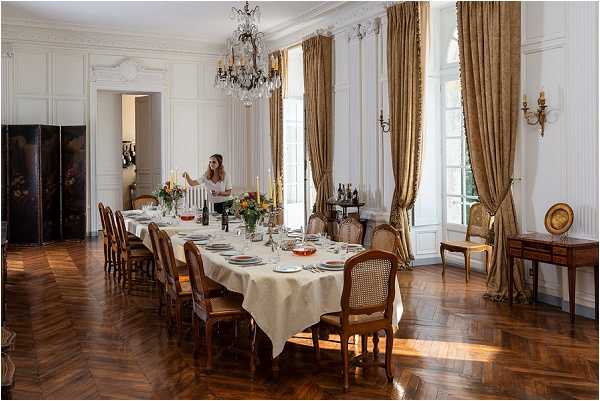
(535, 118)
(384, 124)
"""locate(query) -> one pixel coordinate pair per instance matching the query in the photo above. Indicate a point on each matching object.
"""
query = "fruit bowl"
(304, 250)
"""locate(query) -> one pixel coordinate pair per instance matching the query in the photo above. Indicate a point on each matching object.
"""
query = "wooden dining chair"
(350, 231)
(367, 306)
(105, 240)
(177, 286)
(386, 238)
(144, 200)
(480, 225)
(317, 224)
(159, 272)
(113, 243)
(132, 258)
(211, 309)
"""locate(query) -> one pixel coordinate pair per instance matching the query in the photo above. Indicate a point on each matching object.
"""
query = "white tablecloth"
(282, 304)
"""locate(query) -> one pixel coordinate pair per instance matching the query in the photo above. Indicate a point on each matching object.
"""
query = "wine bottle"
(355, 197)
(223, 219)
(205, 214)
(348, 193)
(340, 193)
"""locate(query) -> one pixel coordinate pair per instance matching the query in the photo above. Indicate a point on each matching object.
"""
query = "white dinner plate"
(209, 248)
(287, 269)
(333, 264)
(295, 235)
(254, 262)
(243, 258)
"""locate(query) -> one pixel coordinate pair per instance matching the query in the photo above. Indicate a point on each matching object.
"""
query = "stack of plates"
(294, 235)
(127, 213)
(243, 260)
(311, 237)
(334, 264)
(195, 236)
(219, 246)
(355, 248)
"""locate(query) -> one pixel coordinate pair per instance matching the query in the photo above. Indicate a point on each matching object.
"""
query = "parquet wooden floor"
(79, 336)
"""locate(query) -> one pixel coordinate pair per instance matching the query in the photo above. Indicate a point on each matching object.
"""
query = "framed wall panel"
(73, 181)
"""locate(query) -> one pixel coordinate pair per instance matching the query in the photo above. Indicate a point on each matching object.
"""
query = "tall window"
(293, 141)
(459, 189)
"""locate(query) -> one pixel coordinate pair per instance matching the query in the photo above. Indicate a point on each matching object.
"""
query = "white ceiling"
(205, 21)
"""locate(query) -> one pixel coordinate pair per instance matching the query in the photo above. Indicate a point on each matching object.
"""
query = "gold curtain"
(407, 47)
(317, 53)
(276, 114)
(490, 62)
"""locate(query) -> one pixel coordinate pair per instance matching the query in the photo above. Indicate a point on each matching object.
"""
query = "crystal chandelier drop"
(245, 70)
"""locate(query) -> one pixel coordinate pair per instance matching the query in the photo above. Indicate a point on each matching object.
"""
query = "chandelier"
(244, 70)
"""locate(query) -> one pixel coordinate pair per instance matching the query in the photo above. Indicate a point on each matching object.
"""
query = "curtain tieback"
(502, 198)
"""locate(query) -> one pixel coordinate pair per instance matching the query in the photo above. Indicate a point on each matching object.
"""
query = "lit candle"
(270, 190)
(176, 177)
(274, 192)
(524, 98)
(280, 195)
(220, 63)
(257, 190)
(542, 95)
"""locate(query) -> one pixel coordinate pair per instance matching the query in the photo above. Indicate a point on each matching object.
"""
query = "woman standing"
(217, 183)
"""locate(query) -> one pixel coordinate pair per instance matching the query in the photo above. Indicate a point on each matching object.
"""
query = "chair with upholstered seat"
(317, 224)
(350, 230)
(144, 200)
(367, 306)
(212, 310)
(177, 286)
(480, 225)
(132, 257)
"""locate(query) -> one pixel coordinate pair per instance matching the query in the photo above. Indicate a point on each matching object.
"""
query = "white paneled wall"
(560, 56)
(50, 83)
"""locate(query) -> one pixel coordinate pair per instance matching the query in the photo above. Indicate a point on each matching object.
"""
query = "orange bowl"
(304, 250)
(187, 217)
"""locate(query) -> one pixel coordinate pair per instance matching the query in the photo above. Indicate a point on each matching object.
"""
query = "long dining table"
(281, 304)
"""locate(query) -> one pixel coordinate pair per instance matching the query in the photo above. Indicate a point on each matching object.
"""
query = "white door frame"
(127, 76)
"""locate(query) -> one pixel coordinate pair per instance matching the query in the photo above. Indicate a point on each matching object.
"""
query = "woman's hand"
(213, 192)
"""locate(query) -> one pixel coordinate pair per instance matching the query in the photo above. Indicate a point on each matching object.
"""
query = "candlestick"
(257, 190)
(280, 195)
(274, 193)
(270, 189)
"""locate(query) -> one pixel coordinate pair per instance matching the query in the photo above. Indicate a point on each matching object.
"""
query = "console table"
(569, 252)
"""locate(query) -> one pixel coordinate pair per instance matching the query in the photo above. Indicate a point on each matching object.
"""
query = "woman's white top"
(219, 186)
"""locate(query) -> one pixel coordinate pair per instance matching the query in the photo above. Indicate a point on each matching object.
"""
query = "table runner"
(282, 304)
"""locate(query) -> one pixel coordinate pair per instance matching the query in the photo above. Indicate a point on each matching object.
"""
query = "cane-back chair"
(367, 305)
(317, 224)
(144, 200)
(350, 230)
(213, 309)
(480, 225)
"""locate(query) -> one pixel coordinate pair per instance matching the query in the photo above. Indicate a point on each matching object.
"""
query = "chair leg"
(208, 327)
(467, 265)
(389, 346)
(488, 256)
(344, 350)
(161, 298)
(315, 338)
(105, 257)
(178, 319)
(443, 261)
(196, 334)
(129, 268)
(363, 343)
(375, 346)
(252, 327)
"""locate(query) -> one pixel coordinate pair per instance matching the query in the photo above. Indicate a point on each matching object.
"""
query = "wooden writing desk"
(570, 252)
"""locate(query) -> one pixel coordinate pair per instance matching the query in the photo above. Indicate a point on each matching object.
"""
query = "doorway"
(128, 146)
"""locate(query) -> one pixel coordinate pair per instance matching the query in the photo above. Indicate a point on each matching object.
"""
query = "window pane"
(470, 189)
(452, 93)
(453, 152)
(452, 52)
(468, 211)
(453, 210)
(453, 181)
(466, 148)
(453, 120)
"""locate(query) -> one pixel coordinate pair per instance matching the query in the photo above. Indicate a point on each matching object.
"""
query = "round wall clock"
(559, 219)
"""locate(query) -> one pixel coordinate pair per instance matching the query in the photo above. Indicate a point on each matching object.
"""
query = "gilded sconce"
(538, 117)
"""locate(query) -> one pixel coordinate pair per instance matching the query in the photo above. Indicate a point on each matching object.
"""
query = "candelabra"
(384, 124)
(271, 223)
(538, 117)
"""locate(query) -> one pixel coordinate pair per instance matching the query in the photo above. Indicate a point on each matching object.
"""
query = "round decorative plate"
(559, 219)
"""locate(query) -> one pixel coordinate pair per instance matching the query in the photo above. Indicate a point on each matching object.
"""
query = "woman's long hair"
(219, 172)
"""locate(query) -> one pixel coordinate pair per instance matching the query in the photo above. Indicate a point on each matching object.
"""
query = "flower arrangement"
(169, 195)
(250, 207)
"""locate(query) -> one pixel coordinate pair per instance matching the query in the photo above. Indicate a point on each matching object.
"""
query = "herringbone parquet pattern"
(80, 336)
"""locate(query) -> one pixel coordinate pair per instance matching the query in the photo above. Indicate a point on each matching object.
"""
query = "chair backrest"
(198, 279)
(480, 223)
(351, 231)
(101, 211)
(122, 236)
(144, 200)
(111, 227)
(317, 224)
(153, 231)
(167, 260)
(369, 284)
(386, 238)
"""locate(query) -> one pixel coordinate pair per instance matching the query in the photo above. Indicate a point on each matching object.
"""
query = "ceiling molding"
(21, 31)
(335, 20)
